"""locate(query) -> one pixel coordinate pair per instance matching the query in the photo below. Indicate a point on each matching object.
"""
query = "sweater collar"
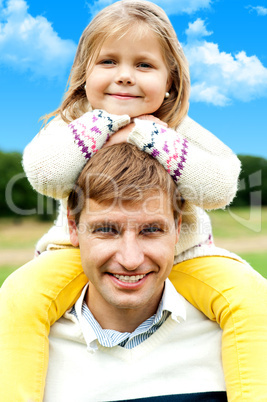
(171, 301)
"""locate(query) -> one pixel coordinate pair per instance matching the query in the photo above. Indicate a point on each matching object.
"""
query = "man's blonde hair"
(118, 19)
(122, 173)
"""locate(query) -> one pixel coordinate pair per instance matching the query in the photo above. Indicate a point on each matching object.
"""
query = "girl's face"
(129, 76)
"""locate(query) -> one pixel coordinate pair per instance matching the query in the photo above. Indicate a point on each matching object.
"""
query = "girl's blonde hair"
(117, 20)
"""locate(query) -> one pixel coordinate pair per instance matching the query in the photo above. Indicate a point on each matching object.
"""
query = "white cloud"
(259, 10)
(30, 43)
(219, 77)
(171, 7)
(197, 29)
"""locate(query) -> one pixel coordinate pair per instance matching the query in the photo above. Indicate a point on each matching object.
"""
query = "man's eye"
(105, 229)
(151, 230)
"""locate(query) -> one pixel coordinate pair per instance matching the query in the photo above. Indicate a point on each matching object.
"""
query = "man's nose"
(131, 254)
(125, 75)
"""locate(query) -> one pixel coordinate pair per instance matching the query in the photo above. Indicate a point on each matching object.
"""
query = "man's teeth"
(129, 279)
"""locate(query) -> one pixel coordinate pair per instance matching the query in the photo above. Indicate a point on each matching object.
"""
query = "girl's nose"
(125, 76)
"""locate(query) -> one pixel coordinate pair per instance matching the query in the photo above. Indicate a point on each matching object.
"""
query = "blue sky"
(224, 41)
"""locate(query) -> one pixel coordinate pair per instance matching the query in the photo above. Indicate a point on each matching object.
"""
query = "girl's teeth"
(129, 279)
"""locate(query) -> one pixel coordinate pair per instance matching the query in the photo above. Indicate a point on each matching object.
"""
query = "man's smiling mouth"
(129, 279)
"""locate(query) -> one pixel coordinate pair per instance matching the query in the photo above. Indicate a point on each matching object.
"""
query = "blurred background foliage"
(253, 178)
(26, 215)
(16, 194)
(17, 197)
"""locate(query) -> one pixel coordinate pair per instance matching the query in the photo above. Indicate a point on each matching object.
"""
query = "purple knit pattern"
(166, 148)
(81, 144)
(92, 129)
(155, 153)
(171, 153)
(181, 160)
(86, 132)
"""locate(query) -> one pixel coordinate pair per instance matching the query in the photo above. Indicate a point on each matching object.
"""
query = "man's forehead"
(154, 205)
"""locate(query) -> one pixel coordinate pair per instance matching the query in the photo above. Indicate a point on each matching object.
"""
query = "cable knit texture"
(56, 156)
(205, 170)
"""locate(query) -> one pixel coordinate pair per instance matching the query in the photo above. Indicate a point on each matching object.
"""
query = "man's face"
(127, 251)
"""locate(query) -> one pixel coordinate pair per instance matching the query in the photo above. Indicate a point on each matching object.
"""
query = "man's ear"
(178, 228)
(73, 230)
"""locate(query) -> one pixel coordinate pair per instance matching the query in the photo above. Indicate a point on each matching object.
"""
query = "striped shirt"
(170, 304)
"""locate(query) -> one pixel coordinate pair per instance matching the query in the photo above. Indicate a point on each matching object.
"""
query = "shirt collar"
(171, 301)
(87, 330)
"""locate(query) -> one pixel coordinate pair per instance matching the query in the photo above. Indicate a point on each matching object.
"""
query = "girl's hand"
(152, 118)
(122, 134)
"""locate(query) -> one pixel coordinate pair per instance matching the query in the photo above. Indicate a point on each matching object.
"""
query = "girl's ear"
(73, 230)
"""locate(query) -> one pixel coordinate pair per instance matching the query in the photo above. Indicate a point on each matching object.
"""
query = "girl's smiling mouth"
(124, 96)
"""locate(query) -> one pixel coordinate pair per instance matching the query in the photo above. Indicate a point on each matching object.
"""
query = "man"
(130, 336)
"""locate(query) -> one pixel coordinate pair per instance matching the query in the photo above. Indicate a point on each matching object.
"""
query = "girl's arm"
(31, 300)
(56, 156)
(205, 170)
(233, 294)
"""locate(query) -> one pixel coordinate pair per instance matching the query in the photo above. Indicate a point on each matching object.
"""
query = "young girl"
(128, 64)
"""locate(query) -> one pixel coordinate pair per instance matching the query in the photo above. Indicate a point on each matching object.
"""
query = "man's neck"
(119, 319)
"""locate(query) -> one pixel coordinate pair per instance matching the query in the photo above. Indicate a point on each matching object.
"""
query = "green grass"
(5, 271)
(258, 261)
(21, 234)
(239, 222)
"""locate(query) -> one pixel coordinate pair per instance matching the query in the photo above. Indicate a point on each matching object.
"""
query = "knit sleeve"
(56, 156)
(206, 171)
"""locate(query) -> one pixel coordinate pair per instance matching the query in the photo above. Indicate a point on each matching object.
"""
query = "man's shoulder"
(68, 328)
(180, 306)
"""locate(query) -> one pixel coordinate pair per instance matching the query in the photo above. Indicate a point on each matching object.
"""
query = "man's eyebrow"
(109, 222)
(104, 222)
(156, 222)
(98, 222)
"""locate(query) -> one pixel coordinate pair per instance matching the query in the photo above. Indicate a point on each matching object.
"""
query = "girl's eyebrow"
(106, 55)
(114, 53)
(107, 52)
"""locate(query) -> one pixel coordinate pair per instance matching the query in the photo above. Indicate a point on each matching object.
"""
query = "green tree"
(17, 198)
(253, 181)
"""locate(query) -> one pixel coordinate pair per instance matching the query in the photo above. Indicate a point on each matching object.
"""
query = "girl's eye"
(145, 65)
(107, 62)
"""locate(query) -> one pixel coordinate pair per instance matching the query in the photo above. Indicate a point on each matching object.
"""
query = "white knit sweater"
(205, 170)
(180, 361)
